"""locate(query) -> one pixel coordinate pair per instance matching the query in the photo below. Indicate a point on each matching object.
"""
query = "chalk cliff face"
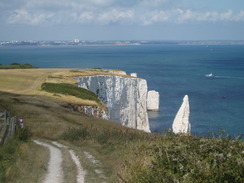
(124, 97)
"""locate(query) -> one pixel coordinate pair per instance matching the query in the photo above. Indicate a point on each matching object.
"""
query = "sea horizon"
(78, 42)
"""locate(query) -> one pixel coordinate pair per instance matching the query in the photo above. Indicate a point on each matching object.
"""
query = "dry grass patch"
(23, 81)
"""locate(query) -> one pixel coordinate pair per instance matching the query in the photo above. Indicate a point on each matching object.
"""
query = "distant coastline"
(77, 42)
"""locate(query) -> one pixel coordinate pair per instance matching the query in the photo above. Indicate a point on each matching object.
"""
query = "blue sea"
(173, 70)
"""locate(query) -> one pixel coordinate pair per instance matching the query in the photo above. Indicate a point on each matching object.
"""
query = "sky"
(121, 20)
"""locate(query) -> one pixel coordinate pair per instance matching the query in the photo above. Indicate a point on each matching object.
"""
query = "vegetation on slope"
(12, 150)
(69, 89)
(191, 159)
(17, 66)
(8, 156)
(17, 158)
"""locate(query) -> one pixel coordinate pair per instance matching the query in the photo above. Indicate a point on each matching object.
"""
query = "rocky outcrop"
(133, 74)
(181, 122)
(95, 111)
(153, 100)
(125, 98)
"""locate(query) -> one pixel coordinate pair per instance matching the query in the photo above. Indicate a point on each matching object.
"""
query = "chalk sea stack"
(181, 124)
(152, 100)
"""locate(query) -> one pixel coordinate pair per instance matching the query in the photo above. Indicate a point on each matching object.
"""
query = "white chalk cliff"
(125, 98)
(181, 122)
(153, 100)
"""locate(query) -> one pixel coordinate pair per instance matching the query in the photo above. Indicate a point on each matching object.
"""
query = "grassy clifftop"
(128, 155)
(30, 82)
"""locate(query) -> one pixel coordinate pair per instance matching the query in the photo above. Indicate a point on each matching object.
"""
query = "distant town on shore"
(77, 42)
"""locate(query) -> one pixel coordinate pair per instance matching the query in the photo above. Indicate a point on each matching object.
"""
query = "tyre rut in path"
(80, 178)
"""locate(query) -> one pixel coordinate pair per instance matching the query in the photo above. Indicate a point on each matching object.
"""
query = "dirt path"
(80, 178)
(54, 171)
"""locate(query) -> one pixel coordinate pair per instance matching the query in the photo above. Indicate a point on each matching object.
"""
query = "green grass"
(8, 155)
(17, 66)
(69, 89)
(9, 152)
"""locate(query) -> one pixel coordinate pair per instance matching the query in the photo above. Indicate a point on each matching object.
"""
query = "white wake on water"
(229, 77)
(211, 75)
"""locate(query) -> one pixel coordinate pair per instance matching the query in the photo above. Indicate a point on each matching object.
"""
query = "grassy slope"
(70, 89)
(126, 154)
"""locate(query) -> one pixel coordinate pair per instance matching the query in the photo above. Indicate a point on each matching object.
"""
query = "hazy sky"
(122, 19)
